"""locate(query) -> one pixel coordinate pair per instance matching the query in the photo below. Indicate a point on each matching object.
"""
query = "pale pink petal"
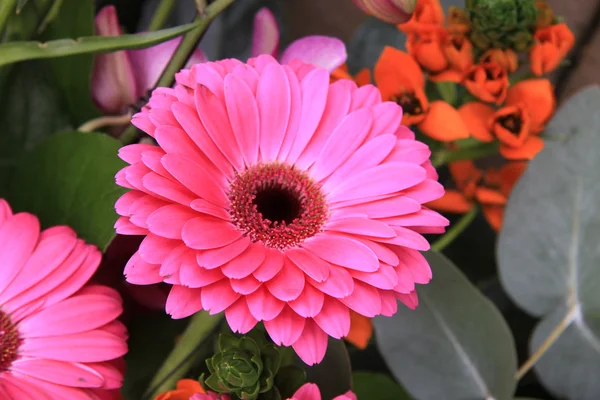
(263, 305)
(334, 318)
(343, 251)
(214, 258)
(244, 116)
(361, 226)
(218, 296)
(384, 278)
(309, 303)
(364, 299)
(239, 318)
(288, 283)
(270, 267)
(208, 233)
(286, 328)
(312, 344)
(310, 264)
(245, 263)
(168, 221)
(339, 284)
(62, 373)
(320, 51)
(265, 34)
(183, 301)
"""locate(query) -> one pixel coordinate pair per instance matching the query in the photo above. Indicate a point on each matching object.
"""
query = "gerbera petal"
(245, 263)
(271, 266)
(310, 264)
(183, 301)
(384, 278)
(286, 328)
(288, 283)
(334, 318)
(410, 300)
(386, 207)
(309, 303)
(364, 299)
(312, 344)
(245, 285)
(339, 284)
(168, 221)
(243, 112)
(18, 237)
(218, 296)
(62, 373)
(320, 51)
(344, 251)
(216, 257)
(263, 305)
(361, 226)
(209, 233)
(528, 151)
(265, 34)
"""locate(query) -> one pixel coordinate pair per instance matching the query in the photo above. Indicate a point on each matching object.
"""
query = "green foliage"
(245, 366)
(374, 386)
(505, 24)
(548, 249)
(69, 180)
(333, 375)
(455, 345)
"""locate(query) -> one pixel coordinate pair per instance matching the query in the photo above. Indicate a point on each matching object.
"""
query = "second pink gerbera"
(275, 196)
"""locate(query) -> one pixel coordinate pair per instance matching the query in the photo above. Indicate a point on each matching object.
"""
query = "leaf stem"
(183, 52)
(444, 157)
(180, 360)
(455, 230)
(7, 7)
(161, 15)
(550, 340)
(109, 120)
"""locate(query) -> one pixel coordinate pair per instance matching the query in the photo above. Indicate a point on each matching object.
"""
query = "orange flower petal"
(530, 148)
(363, 77)
(464, 171)
(443, 123)
(428, 16)
(426, 48)
(538, 97)
(450, 75)
(396, 70)
(507, 58)
(494, 216)
(361, 330)
(488, 82)
(551, 47)
(490, 197)
(453, 201)
(190, 385)
(476, 116)
(509, 175)
(459, 52)
(506, 122)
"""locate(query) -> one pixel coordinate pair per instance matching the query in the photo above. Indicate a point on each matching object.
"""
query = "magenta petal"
(309, 303)
(389, 304)
(270, 267)
(308, 391)
(214, 258)
(263, 305)
(168, 221)
(384, 278)
(410, 300)
(68, 374)
(265, 34)
(194, 276)
(361, 226)
(339, 284)
(313, 266)
(288, 283)
(334, 318)
(312, 344)
(245, 285)
(218, 296)
(239, 317)
(246, 263)
(344, 251)
(286, 328)
(209, 233)
(183, 301)
(364, 300)
(320, 51)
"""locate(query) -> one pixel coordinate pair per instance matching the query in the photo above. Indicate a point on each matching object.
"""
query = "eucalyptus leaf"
(548, 249)
(69, 180)
(455, 345)
(333, 375)
(375, 386)
(19, 51)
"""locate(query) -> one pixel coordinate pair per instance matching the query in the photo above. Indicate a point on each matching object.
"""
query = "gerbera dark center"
(277, 205)
(409, 102)
(512, 123)
(9, 342)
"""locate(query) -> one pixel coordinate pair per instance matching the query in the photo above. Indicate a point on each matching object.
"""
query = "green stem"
(455, 230)
(469, 153)
(162, 13)
(187, 45)
(7, 7)
(191, 345)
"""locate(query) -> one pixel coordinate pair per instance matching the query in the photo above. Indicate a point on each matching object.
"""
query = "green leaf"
(151, 338)
(333, 375)
(548, 250)
(374, 386)
(31, 109)
(73, 74)
(21, 4)
(70, 180)
(447, 91)
(455, 345)
(19, 51)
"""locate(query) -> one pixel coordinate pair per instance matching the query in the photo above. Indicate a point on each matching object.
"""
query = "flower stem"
(455, 230)
(162, 13)
(550, 340)
(183, 52)
(191, 345)
(7, 7)
(468, 153)
(109, 120)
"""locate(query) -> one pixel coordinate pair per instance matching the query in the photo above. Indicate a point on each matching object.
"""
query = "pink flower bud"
(392, 11)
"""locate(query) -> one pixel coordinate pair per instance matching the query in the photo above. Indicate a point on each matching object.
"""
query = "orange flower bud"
(538, 97)
(458, 51)
(426, 48)
(391, 11)
(512, 127)
(507, 58)
(488, 82)
(428, 16)
(551, 46)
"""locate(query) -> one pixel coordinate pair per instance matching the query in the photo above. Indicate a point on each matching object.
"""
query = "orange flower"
(538, 96)
(428, 17)
(545, 14)
(551, 46)
(459, 52)
(458, 21)
(186, 388)
(400, 79)
(488, 82)
(361, 330)
(466, 177)
(363, 77)
(507, 59)
(426, 48)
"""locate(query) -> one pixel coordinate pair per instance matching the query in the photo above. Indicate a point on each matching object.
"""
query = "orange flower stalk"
(516, 126)
(552, 44)
(362, 78)
(427, 17)
(490, 189)
(186, 388)
(507, 59)
(400, 79)
(487, 81)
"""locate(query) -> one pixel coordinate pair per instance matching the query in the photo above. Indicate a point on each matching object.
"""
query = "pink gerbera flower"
(59, 339)
(277, 197)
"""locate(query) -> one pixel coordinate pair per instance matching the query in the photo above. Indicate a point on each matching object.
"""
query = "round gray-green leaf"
(69, 179)
(455, 345)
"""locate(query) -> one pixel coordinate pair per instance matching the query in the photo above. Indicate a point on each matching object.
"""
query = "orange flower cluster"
(186, 388)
